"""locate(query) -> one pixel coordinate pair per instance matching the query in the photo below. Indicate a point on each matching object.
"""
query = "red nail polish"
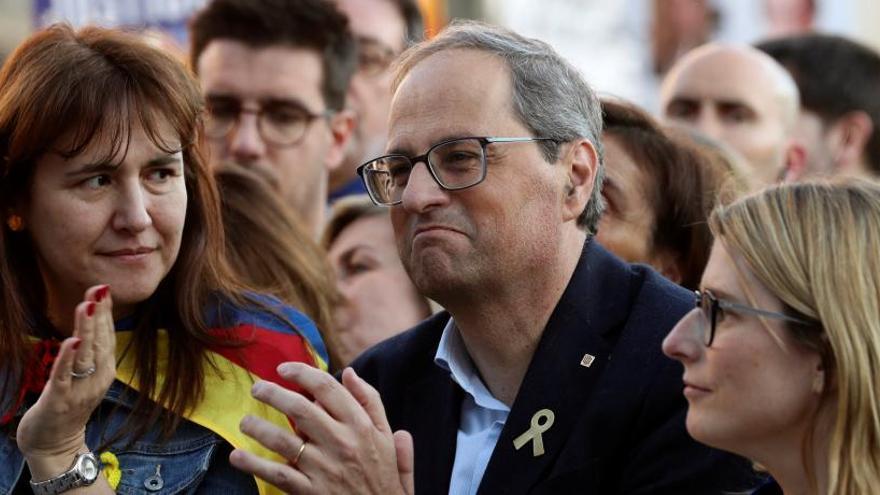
(102, 293)
(76, 344)
(90, 309)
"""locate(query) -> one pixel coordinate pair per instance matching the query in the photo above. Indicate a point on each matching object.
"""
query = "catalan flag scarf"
(269, 340)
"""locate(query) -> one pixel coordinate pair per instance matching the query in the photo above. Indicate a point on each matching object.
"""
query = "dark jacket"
(619, 423)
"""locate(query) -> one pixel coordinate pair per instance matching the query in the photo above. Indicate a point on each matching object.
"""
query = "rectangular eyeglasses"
(710, 306)
(454, 164)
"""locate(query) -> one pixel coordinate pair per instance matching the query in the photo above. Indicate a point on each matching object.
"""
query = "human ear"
(582, 165)
(850, 134)
(822, 379)
(341, 127)
(795, 161)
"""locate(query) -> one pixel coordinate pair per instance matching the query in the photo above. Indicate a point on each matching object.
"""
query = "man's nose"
(245, 142)
(709, 124)
(422, 192)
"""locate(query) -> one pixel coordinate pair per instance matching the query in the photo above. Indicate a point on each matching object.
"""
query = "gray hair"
(550, 96)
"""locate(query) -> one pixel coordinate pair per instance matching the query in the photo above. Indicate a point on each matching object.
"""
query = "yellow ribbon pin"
(535, 432)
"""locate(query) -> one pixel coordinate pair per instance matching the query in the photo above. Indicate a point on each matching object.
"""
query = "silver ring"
(85, 374)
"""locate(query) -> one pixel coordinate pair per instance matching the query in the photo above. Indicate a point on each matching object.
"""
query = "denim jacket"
(194, 460)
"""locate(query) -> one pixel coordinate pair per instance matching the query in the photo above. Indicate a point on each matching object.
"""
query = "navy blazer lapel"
(594, 305)
(432, 409)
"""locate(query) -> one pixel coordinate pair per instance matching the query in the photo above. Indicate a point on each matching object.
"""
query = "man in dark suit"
(546, 374)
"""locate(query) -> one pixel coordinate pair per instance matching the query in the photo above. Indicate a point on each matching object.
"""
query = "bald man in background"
(742, 97)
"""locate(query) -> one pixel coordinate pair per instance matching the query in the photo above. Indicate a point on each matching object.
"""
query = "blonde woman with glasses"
(782, 352)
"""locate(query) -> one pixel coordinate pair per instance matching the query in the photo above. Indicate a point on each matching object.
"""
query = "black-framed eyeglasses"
(710, 307)
(280, 123)
(454, 164)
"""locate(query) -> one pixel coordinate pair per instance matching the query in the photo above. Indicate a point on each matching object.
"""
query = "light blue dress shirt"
(482, 415)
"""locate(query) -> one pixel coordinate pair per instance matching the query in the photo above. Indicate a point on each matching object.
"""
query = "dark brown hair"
(345, 212)
(682, 184)
(271, 251)
(834, 76)
(72, 89)
(412, 20)
(311, 24)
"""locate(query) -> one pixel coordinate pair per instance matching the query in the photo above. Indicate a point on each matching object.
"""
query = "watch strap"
(68, 480)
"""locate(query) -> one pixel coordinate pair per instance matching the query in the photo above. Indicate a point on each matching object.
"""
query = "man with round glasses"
(275, 76)
(545, 375)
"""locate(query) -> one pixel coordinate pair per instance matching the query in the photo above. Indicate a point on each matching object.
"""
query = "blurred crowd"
(317, 251)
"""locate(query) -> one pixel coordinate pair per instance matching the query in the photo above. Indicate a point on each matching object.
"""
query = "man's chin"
(437, 281)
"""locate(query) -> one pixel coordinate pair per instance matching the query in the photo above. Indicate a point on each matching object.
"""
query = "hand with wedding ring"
(52, 431)
(344, 443)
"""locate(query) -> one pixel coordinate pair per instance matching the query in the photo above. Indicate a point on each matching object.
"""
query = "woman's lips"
(129, 254)
(694, 391)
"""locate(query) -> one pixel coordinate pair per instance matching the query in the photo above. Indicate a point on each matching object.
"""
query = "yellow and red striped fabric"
(228, 382)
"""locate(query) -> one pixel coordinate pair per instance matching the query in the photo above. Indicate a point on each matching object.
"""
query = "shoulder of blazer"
(401, 357)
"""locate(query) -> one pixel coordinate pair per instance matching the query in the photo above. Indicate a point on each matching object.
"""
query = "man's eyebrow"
(287, 102)
(735, 104)
(401, 150)
(682, 100)
(732, 101)
(398, 150)
(221, 97)
(269, 102)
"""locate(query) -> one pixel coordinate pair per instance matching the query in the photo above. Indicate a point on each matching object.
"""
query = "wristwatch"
(84, 472)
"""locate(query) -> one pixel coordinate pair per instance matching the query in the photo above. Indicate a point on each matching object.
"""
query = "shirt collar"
(452, 356)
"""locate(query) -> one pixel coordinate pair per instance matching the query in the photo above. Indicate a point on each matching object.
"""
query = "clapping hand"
(344, 443)
(52, 432)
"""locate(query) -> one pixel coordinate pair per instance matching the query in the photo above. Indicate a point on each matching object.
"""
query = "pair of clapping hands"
(345, 444)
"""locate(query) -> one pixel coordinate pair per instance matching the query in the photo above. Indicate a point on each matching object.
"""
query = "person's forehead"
(728, 271)
(273, 72)
(370, 231)
(720, 272)
(623, 171)
(725, 78)
(116, 128)
(132, 149)
(380, 20)
(452, 93)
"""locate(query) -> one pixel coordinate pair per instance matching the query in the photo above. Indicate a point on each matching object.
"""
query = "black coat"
(619, 423)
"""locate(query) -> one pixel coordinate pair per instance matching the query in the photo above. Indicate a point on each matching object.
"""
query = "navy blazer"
(619, 423)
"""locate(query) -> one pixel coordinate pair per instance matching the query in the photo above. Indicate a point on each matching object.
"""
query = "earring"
(15, 223)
